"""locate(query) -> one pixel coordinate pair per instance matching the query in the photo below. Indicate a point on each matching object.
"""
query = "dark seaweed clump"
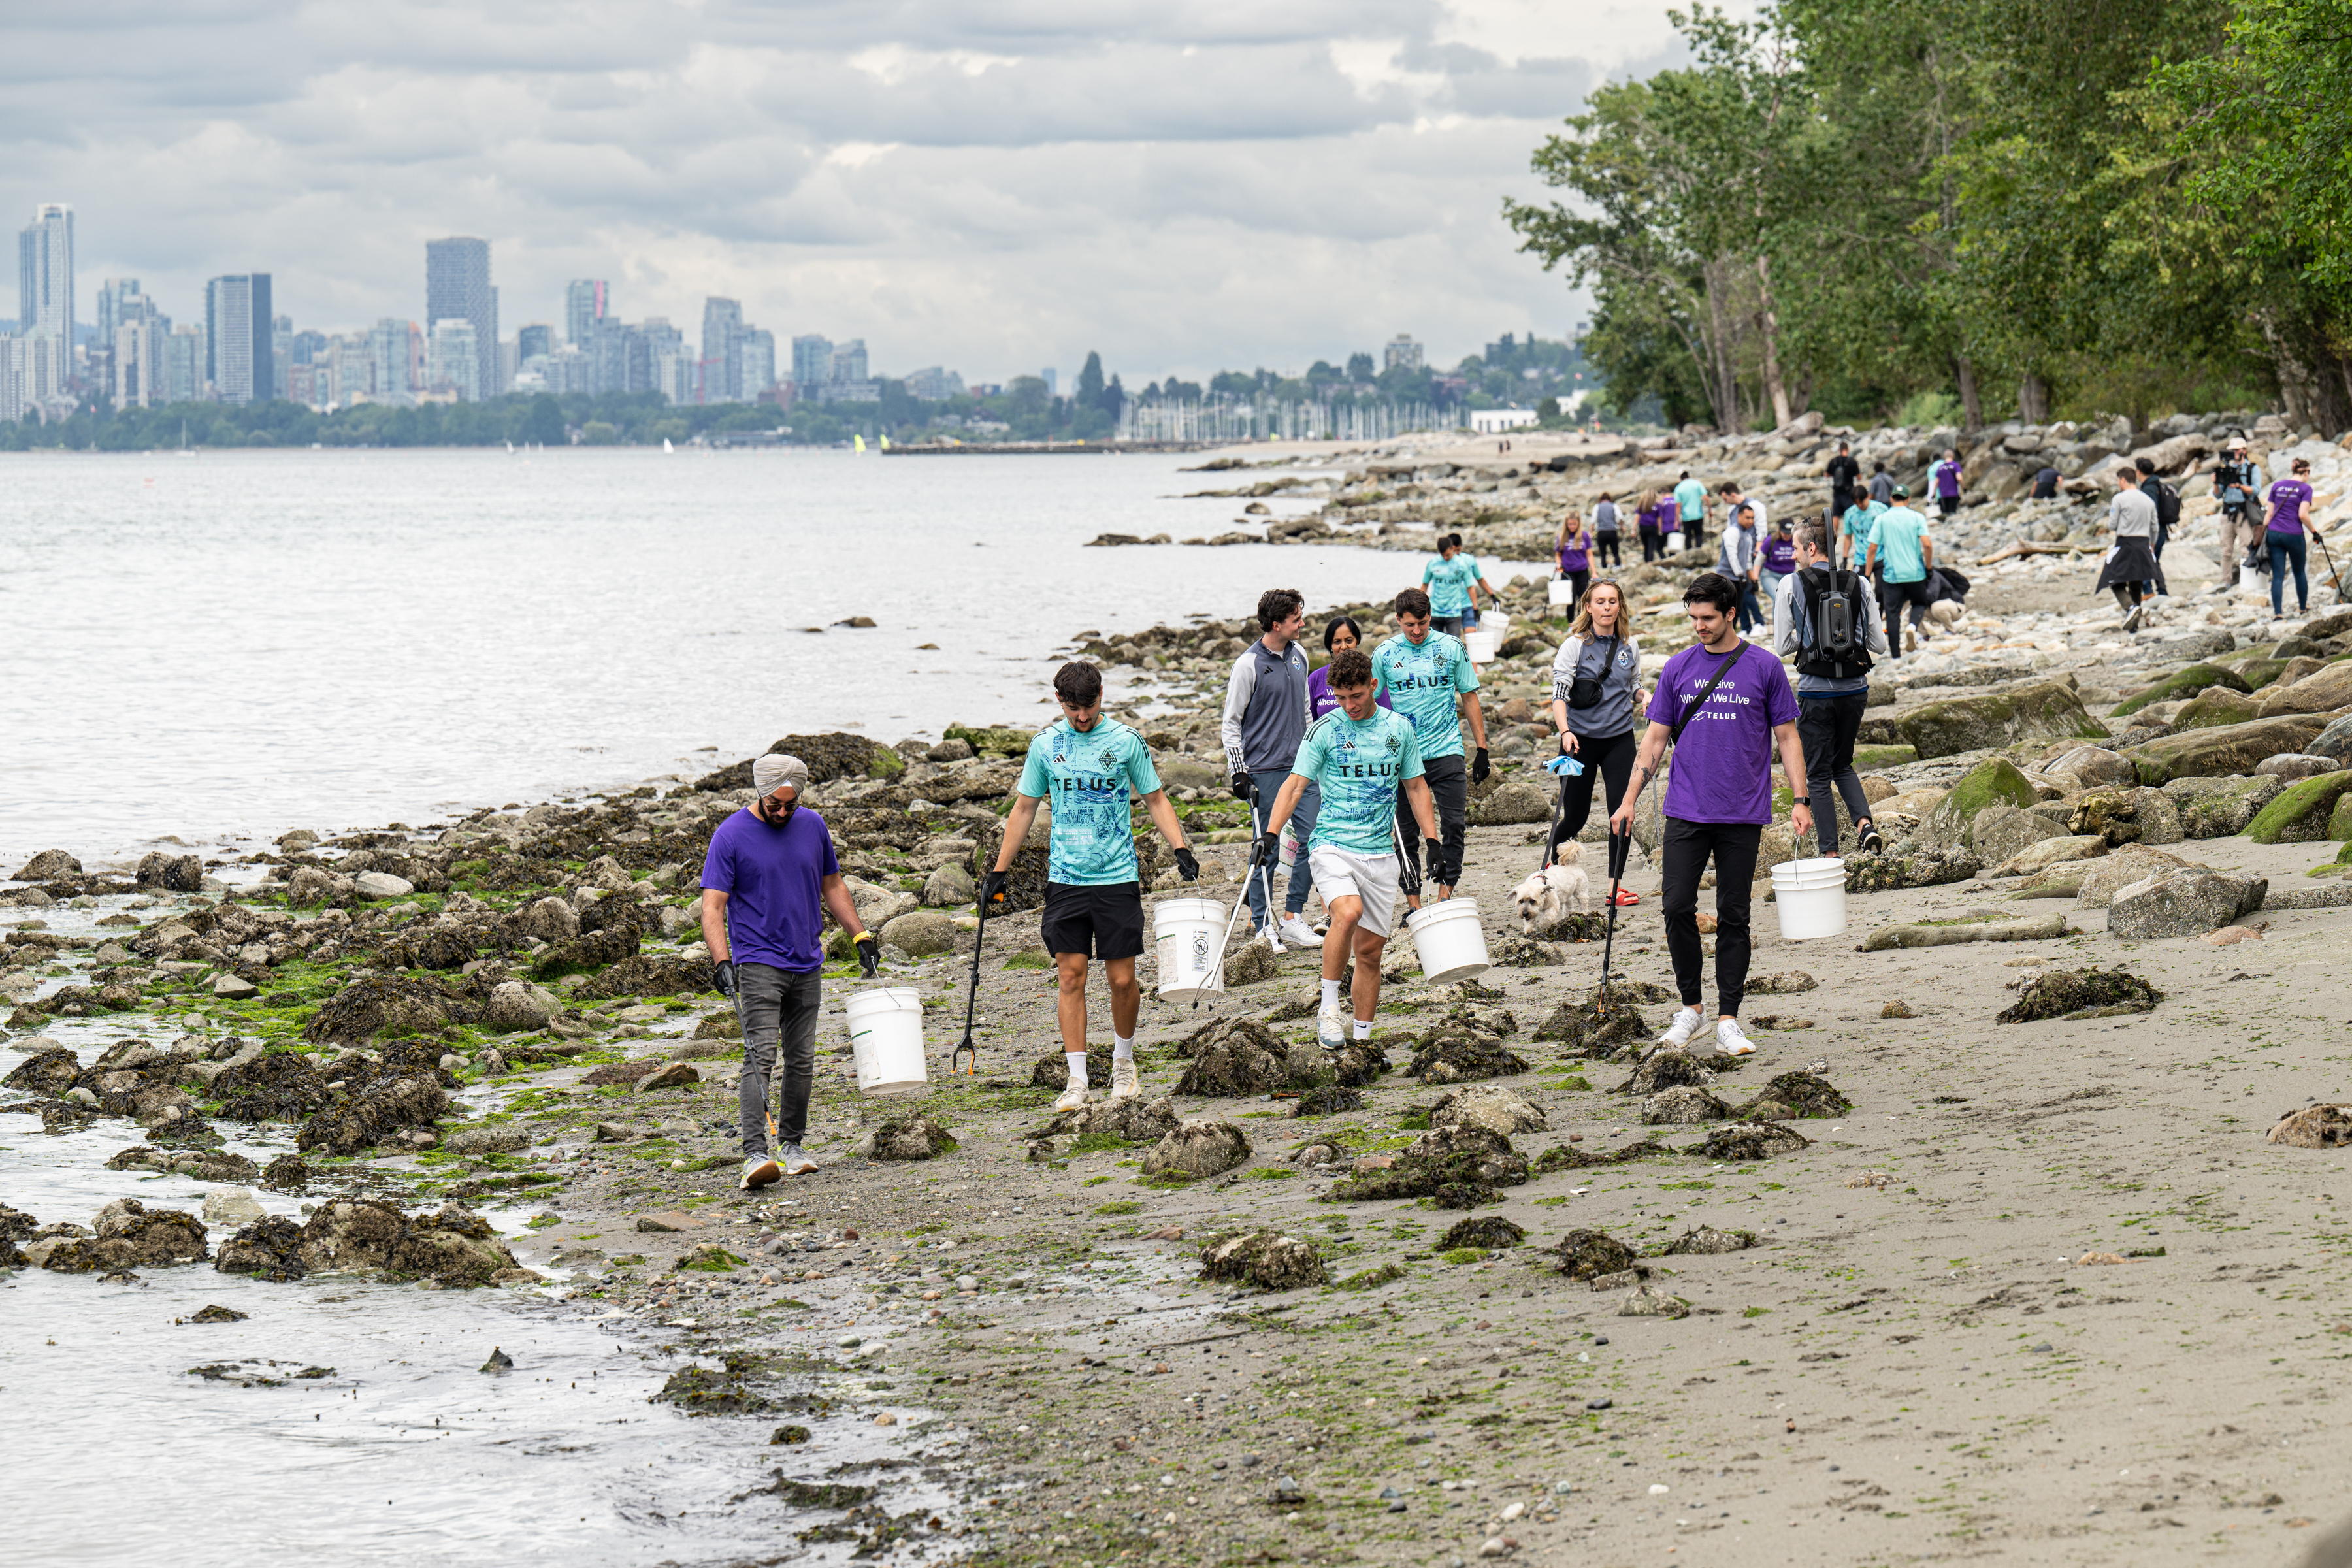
(2081, 994)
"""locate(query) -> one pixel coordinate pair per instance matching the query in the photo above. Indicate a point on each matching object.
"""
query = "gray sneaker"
(796, 1164)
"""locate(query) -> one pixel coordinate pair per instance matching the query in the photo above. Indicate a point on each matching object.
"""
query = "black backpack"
(1836, 637)
(2168, 506)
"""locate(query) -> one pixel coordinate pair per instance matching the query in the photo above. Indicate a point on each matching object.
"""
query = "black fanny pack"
(1584, 691)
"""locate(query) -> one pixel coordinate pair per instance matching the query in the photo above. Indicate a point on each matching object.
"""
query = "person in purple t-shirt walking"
(1731, 702)
(2290, 519)
(767, 880)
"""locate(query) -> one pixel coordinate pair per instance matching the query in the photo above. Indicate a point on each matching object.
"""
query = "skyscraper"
(454, 359)
(237, 336)
(849, 361)
(111, 293)
(584, 307)
(535, 341)
(812, 363)
(388, 346)
(758, 365)
(458, 288)
(44, 284)
(722, 350)
(141, 332)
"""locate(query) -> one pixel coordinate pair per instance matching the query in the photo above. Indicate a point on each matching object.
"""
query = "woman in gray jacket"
(1596, 681)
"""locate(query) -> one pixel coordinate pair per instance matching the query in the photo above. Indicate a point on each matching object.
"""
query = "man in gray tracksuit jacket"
(1266, 718)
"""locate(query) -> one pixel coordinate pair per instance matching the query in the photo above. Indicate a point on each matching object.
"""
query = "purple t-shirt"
(1320, 701)
(1780, 555)
(771, 877)
(2287, 499)
(1723, 763)
(1576, 555)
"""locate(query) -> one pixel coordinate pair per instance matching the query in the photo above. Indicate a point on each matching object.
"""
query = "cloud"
(991, 188)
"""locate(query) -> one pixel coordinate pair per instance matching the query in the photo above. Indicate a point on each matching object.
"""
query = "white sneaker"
(1731, 1039)
(1072, 1098)
(796, 1164)
(1680, 1031)
(1331, 1028)
(1272, 938)
(1299, 934)
(1125, 1083)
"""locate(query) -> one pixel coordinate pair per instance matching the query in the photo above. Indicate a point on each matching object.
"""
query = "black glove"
(1244, 785)
(1265, 849)
(1479, 768)
(869, 955)
(991, 890)
(724, 978)
(1188, 865)
(1434, 849)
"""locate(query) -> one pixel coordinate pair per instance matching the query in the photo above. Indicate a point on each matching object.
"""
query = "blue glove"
(1568, 767)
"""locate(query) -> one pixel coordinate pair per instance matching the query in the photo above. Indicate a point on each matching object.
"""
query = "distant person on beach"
(1267, 710)
(1094, 768)
(1649, 520)
(2167, 513)
(1853, 532)
(2131, 559)
(2290, 521)
(1452, 582)
(1604, 531)
(1833, 679)
(1844, 476)
(1944, 478)
(1425, 672)
(1367, 764)
(2237, 486)
(1775, 559)
(1900, 555)
(768, 877)
(1726, 707)
(1341, 635)
(1737, 559)
(1690, 511)
(1596, 685)
(1573, 547)
(1882, 485)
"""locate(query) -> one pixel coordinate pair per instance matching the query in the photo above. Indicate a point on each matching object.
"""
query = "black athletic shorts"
(1105, 922)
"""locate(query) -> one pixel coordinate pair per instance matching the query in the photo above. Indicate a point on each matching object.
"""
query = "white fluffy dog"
(1547, 894)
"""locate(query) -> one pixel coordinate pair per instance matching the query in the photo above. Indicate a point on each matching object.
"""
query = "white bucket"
(1811, 897)
(1674, 543)
(1479, 645)
(1449, 941)
(885, 1036)
(2252, 580)
(1186, 932)
(1561, 591)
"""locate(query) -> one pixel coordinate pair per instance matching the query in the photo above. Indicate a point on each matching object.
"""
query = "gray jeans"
(776, 1004)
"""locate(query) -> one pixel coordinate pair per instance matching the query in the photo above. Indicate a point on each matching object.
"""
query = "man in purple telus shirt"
(1734, 705)
(767, 878)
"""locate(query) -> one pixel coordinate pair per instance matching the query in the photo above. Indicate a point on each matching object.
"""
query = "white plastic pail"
(1479, 645)
(1674, 543)
(1811, 897)
(1561, 591)
(1449, 941)
(1185, 933)
(885, 1036)
(2252, 580)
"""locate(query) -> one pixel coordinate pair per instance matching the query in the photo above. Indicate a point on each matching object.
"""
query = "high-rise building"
(140, 332)
(458, 288)
(1402, 353)
(849, 361)
(110, 313)
(453, 359)
(536, 340)
(185, 355)
(242, 360)
(45, 297)
(722, 350)
(388, 349)
(1052, 380)
(309, 347)
(349, 359)
(281, 357)
(759, 372)
(933, 384)
(584, 307)
(812, 363)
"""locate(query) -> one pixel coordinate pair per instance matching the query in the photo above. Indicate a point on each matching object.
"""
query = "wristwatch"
(1801, 800)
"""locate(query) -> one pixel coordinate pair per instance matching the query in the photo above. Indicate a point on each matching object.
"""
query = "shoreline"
(1905, 1242)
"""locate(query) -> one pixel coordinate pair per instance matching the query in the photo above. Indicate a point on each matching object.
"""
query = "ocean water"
(234, 644)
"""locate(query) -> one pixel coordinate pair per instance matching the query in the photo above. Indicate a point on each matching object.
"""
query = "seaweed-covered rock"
(1499, 1111)
(128, 1235)
(286, 1174)
(586, 953)
(1668, 1068)
(912, 1137)
(383, 1004)
(1054, 1071)
(2081, 994)
(1521, 953)
(1793, 1096)
(1591, 1254)
(1757, 1140)
(1265, 1259)
(723, 1390)
(1240, 1058)
(1356, 1063)
(2315, 1127)
(2181, 904)
(270, 1248)
(48, 866)
(1683, 1106)
(452, 1245)
(1994, 782)
(427, 947)
(1198, 1149)
(1589, 1029)
(1705, 1241)
(650, 975)
(1560, 1157)
(203, 1164)
(1329, 1100)
(515, 1007)
(1492, 1232)
(280, 1085)
(49, 1070)
(1134, 1119)
(2301, 812)
(549, 919)
(1459, 1167)
(1921, 868)
(1791, 983)
(1454, 1056)
(364, 1117)
(2121, 816)
(2041, 711)
(2221, 750)
(2111, 873)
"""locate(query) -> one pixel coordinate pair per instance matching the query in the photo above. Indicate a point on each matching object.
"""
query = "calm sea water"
(240, 643)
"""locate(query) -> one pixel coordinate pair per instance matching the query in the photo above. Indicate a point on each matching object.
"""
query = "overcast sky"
(995, 188)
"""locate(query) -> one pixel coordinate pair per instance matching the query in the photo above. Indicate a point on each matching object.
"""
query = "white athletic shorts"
(1341, 874)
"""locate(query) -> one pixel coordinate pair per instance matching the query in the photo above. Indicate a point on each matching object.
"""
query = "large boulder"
(1990, 783)
(1518, 798)
(48, 866)
(2211, 710)
(2300, 814)
(2089, 767)
(2045, 853)
(2043, 710)
(1489, 1106)
(547, 920)
(364, 1119)
(921, 933)
(2220, 750)
(2134, 816)
(1265, 1259)
(1198, 1149)
(452, 1245)
(2321, 692)
(129, 1236)
(515, 1007)
(2183, 683)
(386, 1005)
(948, 886)
(2121, 869)
(2181, 904)
(2335, 742)
(2218, 808)
(2001, 833)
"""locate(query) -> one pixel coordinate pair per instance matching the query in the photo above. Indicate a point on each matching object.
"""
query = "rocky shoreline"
(1339, 1315)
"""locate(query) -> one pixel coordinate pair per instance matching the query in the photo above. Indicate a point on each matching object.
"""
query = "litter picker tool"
(971, 999)
(1620, 849)
(1217, 974)
(2334, 579)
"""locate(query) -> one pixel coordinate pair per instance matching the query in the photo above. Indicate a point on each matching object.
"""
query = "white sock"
(1078, 1060)
(1122, 1047)
(1363, 1028)
(1330, 994)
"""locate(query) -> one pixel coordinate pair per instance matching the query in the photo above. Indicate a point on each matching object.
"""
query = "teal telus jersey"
(1421, 682)
(1359, 768)
(1092, 778)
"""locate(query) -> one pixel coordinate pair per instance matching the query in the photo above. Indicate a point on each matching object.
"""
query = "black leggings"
(1605, 551)
(1688, 846)
(1611, 761)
